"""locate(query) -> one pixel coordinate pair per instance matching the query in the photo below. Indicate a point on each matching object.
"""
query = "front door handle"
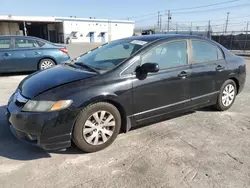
(6, 54)
(37, 53)
(183, 74)
(219, 68)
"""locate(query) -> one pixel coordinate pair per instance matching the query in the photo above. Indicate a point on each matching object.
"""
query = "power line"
(188, 12)
(209, 5)
(188, 8)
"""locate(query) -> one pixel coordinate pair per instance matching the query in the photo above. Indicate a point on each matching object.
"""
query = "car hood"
(42, 81)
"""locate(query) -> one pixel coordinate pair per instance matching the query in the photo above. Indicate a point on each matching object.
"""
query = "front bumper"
(48, 130)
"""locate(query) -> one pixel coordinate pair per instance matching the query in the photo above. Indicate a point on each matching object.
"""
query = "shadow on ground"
(12, 148)
(15, 74)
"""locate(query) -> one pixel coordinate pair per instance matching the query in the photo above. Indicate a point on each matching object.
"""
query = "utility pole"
(169, 18)
(208, 29)
(227, 22)
(191, 26)
(246, 36)
(176, 27)
(158, 22)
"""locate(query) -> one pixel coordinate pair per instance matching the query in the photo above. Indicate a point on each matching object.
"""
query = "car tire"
(89, 135)
(227, 96)
(46, 63)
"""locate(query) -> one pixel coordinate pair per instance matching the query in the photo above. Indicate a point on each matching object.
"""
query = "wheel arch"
(46, 57)
(236, 81)
(112, 100)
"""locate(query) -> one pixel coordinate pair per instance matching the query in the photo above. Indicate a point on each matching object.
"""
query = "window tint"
(5, 43)
(170, 54)
(203, 52)
(220, 54)
(120, 51)
(25, 43)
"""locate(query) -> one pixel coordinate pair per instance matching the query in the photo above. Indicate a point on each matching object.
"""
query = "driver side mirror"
(147, 68)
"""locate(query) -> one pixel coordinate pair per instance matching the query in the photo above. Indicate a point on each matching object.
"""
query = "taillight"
(64, 50)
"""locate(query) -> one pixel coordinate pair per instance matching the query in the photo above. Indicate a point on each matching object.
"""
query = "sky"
(144, 12)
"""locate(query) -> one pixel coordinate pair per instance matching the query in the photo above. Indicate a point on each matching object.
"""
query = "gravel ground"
(205, 148)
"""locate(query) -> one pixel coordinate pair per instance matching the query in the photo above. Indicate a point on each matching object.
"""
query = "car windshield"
(108, 56)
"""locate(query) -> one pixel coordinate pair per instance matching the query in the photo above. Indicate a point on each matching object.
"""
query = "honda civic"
(120, 85)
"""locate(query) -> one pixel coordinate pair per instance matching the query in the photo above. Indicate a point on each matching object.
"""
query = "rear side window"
(220, 54)
(5, 43)
(25, 43)
(40, 43)
(203, 52)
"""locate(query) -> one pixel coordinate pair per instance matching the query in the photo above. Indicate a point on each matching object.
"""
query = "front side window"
(203, 52)
(25, 43)
(5, 43)
(167, 55)
(108, 56)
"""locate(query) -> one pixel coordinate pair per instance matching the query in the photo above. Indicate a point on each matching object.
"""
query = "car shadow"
(12, 148)
(207, 109)
(15, 74)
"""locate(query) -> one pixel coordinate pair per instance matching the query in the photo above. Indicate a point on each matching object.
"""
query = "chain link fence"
(233, 40)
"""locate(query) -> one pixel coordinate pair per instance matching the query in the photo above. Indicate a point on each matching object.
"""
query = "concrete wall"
(112, 30)
(9, 28)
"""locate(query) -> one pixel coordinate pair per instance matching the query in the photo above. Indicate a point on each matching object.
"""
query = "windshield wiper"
(87, 66)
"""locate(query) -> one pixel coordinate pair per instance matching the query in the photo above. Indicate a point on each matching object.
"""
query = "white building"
(66, 29)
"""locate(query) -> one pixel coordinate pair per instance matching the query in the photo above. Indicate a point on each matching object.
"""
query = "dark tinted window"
(5, 43)
(203, 52)
(170, 54)
(25, 43)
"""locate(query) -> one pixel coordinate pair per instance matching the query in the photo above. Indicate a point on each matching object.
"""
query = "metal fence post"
(231, 41)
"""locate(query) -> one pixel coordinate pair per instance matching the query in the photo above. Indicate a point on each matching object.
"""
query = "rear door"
(30, 50)
(209, 71)
(5, 54)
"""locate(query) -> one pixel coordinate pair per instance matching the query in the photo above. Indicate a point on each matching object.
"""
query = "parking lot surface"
(204, 148)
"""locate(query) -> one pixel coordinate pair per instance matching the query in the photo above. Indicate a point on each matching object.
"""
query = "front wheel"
(227, 95)
(97, 127)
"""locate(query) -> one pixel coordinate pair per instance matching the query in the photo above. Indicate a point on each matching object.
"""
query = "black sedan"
(123, 84)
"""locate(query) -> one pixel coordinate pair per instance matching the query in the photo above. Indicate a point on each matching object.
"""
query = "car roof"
(155, 37)
(24, 37)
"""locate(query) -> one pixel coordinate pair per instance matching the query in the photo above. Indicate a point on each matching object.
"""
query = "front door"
(209, 71)
(167, 90)
(5, 55)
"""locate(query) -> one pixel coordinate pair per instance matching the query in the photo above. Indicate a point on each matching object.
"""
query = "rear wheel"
(97, 127)
(46, 63)
(227, 95)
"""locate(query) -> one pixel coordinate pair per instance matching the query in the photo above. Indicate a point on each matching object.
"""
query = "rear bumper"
(48, 130)
(242, 78)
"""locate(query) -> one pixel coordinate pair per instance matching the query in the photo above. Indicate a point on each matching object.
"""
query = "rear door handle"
(184, 74)
(219, 68)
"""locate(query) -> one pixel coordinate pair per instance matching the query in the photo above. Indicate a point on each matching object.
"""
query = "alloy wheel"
(99, 128)
(228, 95)
(46, 64)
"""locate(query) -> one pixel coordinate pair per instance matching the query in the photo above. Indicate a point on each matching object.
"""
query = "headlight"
(44, 106)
